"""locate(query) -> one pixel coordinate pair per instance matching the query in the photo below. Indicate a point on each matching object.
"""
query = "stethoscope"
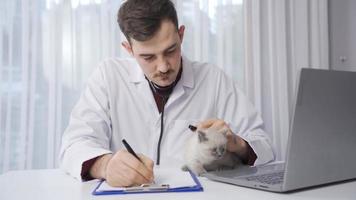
(163, 93)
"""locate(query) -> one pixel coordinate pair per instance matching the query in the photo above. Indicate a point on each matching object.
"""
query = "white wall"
(342, 33)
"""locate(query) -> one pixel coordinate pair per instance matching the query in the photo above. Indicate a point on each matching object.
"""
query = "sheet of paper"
(175, 177)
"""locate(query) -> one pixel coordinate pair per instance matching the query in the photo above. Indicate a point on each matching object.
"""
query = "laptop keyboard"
(271, 179)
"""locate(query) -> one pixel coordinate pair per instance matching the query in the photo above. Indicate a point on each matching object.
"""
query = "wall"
(342, 33)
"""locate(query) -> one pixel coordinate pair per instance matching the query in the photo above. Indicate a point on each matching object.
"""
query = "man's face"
(160, 56)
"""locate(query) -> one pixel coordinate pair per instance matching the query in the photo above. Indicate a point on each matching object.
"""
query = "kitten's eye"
(214, 150)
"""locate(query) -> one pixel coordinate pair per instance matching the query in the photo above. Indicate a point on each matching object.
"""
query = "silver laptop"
(322, 140)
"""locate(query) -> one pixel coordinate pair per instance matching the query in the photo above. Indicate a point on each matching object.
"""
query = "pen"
(192, 128)
(130, 150)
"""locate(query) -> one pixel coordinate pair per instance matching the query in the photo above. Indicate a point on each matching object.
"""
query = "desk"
(55, 184)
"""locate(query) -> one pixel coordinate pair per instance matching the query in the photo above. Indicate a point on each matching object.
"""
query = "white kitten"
(206, 151)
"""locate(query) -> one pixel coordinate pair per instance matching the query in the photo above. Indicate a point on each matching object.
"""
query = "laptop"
(322, 140)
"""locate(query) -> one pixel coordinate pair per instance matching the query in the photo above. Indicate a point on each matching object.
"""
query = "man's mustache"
(164, 74)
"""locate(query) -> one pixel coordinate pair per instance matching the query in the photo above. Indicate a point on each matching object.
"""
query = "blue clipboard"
(145, 188)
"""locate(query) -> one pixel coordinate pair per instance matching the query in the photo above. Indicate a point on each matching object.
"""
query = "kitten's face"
(212, 143)
(218, 151)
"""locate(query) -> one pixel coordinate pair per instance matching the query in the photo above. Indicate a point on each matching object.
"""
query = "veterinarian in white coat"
(118, 103)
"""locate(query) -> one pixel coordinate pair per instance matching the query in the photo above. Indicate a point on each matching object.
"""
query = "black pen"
(130, 150)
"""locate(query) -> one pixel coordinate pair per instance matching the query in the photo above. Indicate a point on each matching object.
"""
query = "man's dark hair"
(141, 19)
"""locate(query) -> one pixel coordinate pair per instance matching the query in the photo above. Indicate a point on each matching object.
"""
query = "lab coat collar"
(187, 78)
(136, 74)
(188, 73)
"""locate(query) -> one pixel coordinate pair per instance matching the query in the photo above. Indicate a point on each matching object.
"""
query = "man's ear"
(127, 47)
(181, 33)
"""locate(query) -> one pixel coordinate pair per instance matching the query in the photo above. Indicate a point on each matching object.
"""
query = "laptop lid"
(322, 142)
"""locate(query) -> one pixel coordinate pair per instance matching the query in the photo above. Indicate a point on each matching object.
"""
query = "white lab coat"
(118, 103)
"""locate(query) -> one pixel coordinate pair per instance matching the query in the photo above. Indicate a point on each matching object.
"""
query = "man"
(150, 101)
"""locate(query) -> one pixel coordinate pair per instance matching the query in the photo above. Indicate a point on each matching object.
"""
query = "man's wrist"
(98, 170)
(243, 150)
(241, 146)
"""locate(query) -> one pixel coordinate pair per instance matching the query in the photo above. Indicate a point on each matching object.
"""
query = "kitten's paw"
(196, 168)
(185, 168)
(199, 171)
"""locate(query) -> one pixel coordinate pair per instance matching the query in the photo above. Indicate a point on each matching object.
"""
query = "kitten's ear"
(202, 136)
(224, 131)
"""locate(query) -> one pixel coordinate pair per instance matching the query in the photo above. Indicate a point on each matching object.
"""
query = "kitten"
(206, 151)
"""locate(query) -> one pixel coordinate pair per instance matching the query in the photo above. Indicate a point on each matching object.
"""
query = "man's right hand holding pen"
(123, 169)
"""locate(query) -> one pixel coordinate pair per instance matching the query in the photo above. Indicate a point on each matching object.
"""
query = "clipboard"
(150, 188)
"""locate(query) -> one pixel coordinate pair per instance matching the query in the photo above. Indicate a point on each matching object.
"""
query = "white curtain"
(49, 47)
(214, 33)
(281, 37)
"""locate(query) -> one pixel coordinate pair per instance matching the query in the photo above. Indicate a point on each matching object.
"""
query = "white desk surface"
(55, 184)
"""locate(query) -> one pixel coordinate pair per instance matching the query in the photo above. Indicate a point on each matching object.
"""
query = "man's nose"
(163, 65)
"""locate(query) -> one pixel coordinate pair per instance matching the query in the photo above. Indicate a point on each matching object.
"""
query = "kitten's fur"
(206, 151)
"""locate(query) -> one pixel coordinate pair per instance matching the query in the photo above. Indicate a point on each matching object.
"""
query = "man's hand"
(123, 169)
(235, 143)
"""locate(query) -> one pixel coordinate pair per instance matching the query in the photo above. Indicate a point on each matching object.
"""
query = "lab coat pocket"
(177, 136)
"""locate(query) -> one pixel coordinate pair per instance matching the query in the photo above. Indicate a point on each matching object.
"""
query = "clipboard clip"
(147, 188)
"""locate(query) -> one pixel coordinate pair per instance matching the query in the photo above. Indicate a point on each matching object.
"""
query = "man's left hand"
(235, 143)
